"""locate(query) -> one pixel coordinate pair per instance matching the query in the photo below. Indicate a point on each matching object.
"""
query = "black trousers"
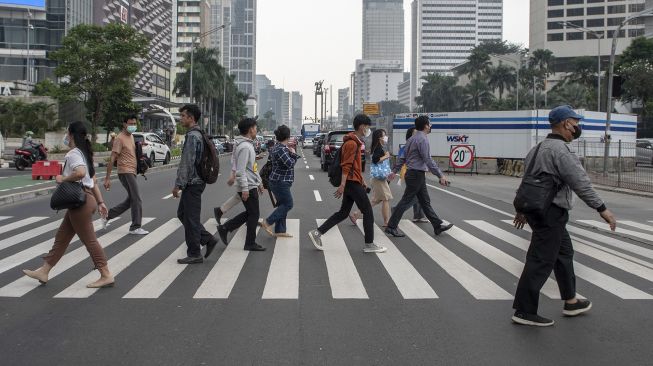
(354, 193)
(250, 217)
(415, 188)
(550, 250)
(133, 201)
(188, 212)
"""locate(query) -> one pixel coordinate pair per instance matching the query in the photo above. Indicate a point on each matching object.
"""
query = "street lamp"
(192, 53)
(29, 58)
(606, 153)
(599, 37)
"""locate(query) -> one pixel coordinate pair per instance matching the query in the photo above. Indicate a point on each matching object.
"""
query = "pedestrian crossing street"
(475, 256)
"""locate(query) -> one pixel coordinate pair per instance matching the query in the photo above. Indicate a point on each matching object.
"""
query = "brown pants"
(78, 221)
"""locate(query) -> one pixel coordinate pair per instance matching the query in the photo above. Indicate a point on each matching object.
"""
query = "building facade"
(383, 30)
(243, 45)
(296, 110)
(445, 31)
(376, 81)
(343, 104)
(186, 24)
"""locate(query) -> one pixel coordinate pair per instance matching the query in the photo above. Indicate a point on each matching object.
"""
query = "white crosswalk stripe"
(644, 252)
(409, 282)
(2, 218)
(604, 227)
(20, 223)
(122, 260)
(479, 286)
(636, 225)
(29, 234)
(283, 276)
(344, 279)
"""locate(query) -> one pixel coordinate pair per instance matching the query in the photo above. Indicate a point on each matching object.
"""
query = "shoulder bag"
(68, 195)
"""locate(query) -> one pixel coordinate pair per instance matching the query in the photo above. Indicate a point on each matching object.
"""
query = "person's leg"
(124, 205)
(192, 207)
(285, 204)
(425, 202)
(238, 220)
(253, 214)
(417, 210)
(385, 212)
(359, 196)
(231, 203)
(62, 239)
(564, 268)
(412, 186)
(136, 203)
(345, 208)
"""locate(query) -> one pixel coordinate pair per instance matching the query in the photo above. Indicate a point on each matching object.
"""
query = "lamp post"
(29, 58)
(606, 153)
(599, 37)
(192, 53)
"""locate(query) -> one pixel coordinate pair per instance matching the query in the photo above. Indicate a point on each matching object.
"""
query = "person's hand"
(444, 181)
(292, 150)
(519, 221)
(387, 154)
(245, 196)
(339, 192)
(610, 219)
(261, 188)
(175, 192)
(231, 181)
(102, 208)
(107, 183)
(59, 178)
(392, 176)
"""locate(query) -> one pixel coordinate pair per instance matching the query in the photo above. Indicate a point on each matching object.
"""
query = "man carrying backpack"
(352, 187)
(248, 184)
(123, 151)
(191, 185)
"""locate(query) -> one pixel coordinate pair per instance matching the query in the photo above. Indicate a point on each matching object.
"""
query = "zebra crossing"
(618, 266)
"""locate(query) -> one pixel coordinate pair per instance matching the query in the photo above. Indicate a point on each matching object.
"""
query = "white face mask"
(385, 139)
(368, 132)
(66, 140)
(132, 129)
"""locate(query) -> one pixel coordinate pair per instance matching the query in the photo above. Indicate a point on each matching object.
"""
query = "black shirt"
(377, 154)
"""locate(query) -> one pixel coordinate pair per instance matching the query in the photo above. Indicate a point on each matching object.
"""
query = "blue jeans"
(281, 191)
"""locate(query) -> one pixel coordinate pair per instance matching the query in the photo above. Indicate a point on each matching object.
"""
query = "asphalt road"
(425, 302)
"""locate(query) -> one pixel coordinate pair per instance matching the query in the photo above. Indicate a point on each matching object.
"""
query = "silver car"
(644, 152)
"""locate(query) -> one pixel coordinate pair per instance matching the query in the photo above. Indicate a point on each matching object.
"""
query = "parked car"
(218, 145)
(153, 147)
(317, 145)
(332, 143)
(644, 152)
(226, 143)
(259, 145)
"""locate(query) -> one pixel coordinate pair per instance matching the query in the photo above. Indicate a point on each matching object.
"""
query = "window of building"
(575, 36)
(615, 21)
(555, 25)
(575, 2)
(596, 22)
(554, 37)
(576, 12)
(616, 9)
(556, 2)
(558, 13)
(596, 10)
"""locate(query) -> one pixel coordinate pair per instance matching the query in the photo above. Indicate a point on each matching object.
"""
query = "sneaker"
(531, 319)
(217, 212)
(104, 222)
(394, 232)
(315, 236)
(581, 306)
(373, 248)
(423, 220)
(139, 231)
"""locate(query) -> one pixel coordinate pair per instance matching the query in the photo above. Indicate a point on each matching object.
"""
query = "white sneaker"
(374, 248)
(139, 231)
(104, 223)
(316, 239)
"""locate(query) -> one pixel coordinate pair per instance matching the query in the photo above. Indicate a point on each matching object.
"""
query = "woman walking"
(78, 167)
(281, 179)
(380, 170)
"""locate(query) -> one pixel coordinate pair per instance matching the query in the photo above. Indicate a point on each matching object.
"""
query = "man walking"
(248, 184)
(417, 157)
(123, 151)
(551, 248)
(352, 188)
(191, 187)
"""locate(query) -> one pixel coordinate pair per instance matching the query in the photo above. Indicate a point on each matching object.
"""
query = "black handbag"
(536, 192)
(68, 195)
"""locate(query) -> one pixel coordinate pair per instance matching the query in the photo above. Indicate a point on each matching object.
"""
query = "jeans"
(281, 191)
(190, 208)
(550, 250)
(415, 188)
(354, 193)
(250, 217)
(133, 201)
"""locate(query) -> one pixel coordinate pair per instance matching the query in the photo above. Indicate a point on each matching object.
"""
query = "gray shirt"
(417, 155)
(556, 158)
(247, 177)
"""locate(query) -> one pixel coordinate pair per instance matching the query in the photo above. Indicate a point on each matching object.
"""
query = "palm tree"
(502, 77)
(440, 93)
(477, 94)
(584, 72)
(477, 64)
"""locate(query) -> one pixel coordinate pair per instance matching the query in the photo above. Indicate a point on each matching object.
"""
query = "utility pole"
(331, 107)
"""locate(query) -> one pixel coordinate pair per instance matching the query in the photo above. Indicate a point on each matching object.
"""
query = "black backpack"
(208, 168)
(335, 169)
(265, 173)
(142, 162)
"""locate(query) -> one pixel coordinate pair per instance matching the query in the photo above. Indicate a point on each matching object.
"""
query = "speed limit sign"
(461, 156)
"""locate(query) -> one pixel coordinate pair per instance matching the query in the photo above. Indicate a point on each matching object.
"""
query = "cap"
(561, 113)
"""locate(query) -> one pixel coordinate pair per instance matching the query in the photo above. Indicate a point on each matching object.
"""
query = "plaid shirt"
(283, 164)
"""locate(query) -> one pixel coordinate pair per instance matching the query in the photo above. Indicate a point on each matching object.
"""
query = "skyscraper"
(383, 30)
(243, 45)
(445, 31)
(186, 24)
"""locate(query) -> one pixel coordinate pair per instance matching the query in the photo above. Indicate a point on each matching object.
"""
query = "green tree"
(392, 107)
(18, 117)
(636, 69)
(440, 93)
(477, 65)
(571, 93)
(267, 123)
(93, 59)
(503, 78)
(477, 94)
(498, 47)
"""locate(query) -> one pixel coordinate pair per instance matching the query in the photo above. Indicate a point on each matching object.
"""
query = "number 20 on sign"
(461, 156)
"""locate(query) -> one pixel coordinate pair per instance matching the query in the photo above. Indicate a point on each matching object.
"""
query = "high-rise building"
(243, 45)
(403, 90)
(186, 25)
(343, 104)
(271, 99)
(548, 30)
(383, 30)
(296, 109)
(376, 81)
(445, 31)
(221, 15)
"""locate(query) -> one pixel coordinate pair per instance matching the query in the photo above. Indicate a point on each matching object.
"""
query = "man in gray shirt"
(551, 248)
(417, 157)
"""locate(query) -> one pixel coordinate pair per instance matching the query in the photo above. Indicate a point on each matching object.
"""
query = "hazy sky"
(302, 41)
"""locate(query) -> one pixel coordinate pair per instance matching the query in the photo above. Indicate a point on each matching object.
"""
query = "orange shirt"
(125, 147)
(351, 159)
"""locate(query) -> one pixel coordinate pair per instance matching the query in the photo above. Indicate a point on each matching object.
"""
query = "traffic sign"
(371, 109)
(461, 156)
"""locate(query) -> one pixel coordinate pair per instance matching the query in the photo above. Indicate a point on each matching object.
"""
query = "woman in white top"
(78, 168)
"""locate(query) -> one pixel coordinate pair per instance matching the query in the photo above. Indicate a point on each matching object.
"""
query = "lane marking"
(283, 275)
(318, 198)
(645, 252)
(409, 282)
(24, 236)
(472, 201)
(308, 167)
(344, 279)
(311, 177)
(21, 223)
(637, 225)
(476, 283)
(604, 227)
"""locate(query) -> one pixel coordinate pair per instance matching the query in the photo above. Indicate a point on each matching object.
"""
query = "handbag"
(381, 171)
(68, 195)
(536, 192)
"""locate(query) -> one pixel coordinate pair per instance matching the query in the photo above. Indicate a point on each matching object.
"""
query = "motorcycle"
(29, 154)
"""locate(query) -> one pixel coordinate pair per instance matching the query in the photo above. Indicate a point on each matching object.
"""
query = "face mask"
(132, 129)
(368, 132)
(577, 132)
(66, 140)
(385, 139)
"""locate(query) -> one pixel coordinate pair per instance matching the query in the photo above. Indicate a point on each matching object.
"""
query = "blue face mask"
(132, 129)
(66, 140)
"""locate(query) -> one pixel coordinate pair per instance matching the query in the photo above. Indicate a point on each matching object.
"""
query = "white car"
(153, 147)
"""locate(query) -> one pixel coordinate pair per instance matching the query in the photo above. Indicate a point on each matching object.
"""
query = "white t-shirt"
(75, 158)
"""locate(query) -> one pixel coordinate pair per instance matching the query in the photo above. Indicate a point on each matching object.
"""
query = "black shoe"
(442, 228)
(210, 246)
(217, 212)
(255, 248)
(394, 232)
(222, 232)
(531, 319)
(190, 260)
(578, 308)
